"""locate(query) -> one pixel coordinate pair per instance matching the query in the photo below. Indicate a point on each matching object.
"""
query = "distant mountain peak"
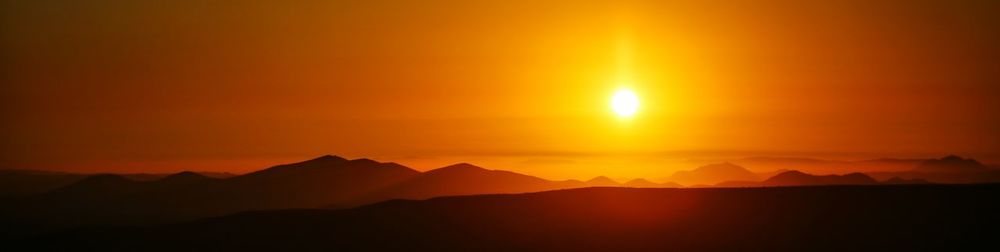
(466, 165)
(641, 182)
(792, 173)
(599, 178)
(797, 178)
(321, 160)
(326, 164)
(857, 175)
(951, 163)
(602, 180)
(184, 175)
(459, 167)
(326, 158)
(791, 177)
(714, 173)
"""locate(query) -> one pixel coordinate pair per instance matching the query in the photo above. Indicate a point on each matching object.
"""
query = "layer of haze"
(157, 86)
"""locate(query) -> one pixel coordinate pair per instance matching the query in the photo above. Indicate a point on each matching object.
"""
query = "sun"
(624, 103)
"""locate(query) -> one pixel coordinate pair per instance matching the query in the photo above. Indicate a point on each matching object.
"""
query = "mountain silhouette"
(15, 183)
(183, 178)
(824, 218)
(465, 179)
(797, 178)
(822, 166)
(317, 182)
(117, 200)
(602, 181)
(327, 181)
(950, 163)
(712, 174)
(771, 173)
(950, 169)
(97, 188)
(20, 183)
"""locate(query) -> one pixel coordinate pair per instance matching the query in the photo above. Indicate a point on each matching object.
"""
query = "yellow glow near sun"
(624, 103)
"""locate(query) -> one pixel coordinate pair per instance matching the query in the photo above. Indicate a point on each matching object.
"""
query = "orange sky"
(156, 86)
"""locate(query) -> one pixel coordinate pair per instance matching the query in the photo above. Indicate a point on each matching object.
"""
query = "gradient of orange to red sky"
(156, 86)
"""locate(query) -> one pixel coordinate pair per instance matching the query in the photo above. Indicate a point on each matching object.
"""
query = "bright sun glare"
(624, 103)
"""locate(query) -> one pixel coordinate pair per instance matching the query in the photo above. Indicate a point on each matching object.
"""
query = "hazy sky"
(160, 86)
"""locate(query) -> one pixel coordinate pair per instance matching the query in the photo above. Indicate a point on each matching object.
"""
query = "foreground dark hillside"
(828, 218)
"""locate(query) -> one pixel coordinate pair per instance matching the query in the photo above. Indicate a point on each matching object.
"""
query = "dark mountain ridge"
(950, 169)
(321, 182)
(797, 178)
(602, 181)
(463, 179)
(713, 173)
(951, 163)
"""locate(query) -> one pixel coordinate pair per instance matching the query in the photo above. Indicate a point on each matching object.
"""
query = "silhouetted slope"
(217, 175)
(112, 199)
(314, 183)
(797, 178)
(950, 169)
(841, 218)
(25, 182)
(327, 181)
(464, 179)
(106, 188)
(20, 183)
(98, 187)
(950, 164)
(712, 174)
(765, 175)
(602, 181)
(94, 199)
(183, 178)
(820, 166)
